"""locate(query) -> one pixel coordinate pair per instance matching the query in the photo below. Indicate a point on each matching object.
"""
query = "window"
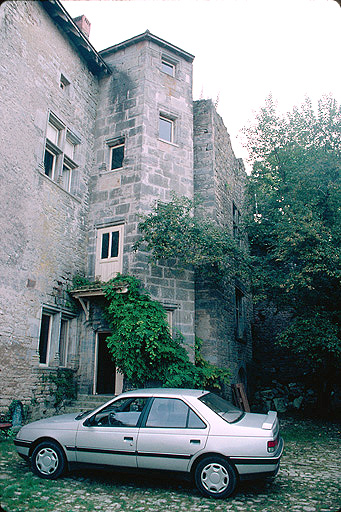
(235, 220)
(110, 244)
(220, 406)
(60, 151)
(63, 342)
(49, 163)
(166, 129)
(116, 148)
(109, 252)
(116, 157)
(44, 339)
(239, 314)
(64, 82)
(172, 413)
(167, 67)
(125, 412)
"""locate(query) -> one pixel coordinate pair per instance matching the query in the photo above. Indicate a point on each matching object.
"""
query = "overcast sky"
(244, 49)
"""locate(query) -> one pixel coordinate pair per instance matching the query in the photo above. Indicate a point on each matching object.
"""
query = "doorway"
(105, 378)
(108, 380)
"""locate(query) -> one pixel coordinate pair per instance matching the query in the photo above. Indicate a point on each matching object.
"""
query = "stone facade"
(219, 180)
(67, 113)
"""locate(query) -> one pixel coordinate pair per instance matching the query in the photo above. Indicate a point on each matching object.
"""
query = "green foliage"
(180, 230)
(314, 336)
(62, 384)
(141, 343)
(294, 226)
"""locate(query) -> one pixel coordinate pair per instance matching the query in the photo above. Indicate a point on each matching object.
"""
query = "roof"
(63, 20)
(148, 36)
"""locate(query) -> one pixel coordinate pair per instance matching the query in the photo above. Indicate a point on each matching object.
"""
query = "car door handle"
(131, 439)
(195, 441)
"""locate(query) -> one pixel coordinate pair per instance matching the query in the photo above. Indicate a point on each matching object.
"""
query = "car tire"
(48, 460)
(215, 477)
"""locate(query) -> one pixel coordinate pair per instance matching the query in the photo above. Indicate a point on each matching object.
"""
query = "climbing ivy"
(141, 343)
(181, 230)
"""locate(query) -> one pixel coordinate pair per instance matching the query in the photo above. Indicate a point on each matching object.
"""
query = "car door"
(109, 437)
(170, 436)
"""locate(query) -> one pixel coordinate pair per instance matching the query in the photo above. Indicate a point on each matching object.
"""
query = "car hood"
(62, 421)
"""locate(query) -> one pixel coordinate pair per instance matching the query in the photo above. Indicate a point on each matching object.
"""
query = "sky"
(244, 49)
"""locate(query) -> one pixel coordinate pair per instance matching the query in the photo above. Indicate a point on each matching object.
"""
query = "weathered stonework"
(219, 179)
(50, 233)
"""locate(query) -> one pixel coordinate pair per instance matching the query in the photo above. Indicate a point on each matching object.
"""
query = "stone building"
(88, 141)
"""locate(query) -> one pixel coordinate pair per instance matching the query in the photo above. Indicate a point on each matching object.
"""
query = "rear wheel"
(48, 460)
(215, 477)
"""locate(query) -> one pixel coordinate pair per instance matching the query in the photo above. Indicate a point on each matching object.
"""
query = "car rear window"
(225, 409)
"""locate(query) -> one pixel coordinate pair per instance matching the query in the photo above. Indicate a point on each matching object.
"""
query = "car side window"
(172, 413)
(121, 413)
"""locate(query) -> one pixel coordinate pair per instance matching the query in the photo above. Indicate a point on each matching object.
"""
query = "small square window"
(167, 67)
(166, 129)
(116, 156)
(64, 82)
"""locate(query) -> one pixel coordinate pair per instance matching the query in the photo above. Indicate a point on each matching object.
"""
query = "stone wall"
(43, 227)
(219, 179)
(130, 101)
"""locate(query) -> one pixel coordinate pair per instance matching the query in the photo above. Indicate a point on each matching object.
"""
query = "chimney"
(83, 24)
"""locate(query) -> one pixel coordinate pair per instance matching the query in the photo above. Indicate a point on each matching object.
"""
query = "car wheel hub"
(215, 478)
(47, 461)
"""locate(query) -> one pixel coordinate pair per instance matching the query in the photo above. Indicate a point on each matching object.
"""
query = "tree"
(294, 227)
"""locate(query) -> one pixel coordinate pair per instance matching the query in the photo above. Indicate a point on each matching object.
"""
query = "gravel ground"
(308, 481)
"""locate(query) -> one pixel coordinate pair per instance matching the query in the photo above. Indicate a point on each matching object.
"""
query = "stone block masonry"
(89, 142)
(43, 226)
(219, 180)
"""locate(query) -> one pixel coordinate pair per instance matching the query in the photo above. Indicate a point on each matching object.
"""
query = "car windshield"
(225, 409)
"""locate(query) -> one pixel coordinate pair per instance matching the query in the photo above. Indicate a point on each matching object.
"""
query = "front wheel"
(48, 460)
(215, 477)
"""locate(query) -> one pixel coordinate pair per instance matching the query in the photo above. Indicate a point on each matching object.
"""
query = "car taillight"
(272, 445)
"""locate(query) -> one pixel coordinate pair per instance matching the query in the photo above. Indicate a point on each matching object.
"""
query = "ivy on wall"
(141, 343)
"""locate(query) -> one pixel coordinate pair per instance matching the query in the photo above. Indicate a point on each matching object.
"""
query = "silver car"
(186, 430)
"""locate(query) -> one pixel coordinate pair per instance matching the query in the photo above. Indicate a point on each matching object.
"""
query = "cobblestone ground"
(308, 481)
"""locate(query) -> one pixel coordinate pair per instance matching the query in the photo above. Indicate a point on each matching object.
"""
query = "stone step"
(87, 403)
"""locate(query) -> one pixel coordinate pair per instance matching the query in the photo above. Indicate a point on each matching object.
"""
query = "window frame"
(240, 314)
(171, 121)
(64, 137)
(63, 320)
(112, 144)
(47, 340)
(235, 221)
(110, 231)
(91, 422)
(167, 63)
(188, 413)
